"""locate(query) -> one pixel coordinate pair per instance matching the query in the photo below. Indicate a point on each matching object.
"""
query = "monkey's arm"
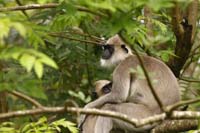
(118, 94)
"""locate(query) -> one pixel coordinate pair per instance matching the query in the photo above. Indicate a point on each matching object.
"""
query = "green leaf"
(27, 61)
(81, 95)
(165, 57)
(7, 129)
(42, 120)
(103, 5)
(4, 28)
(38, 67)
(48, 61)
(68, 124)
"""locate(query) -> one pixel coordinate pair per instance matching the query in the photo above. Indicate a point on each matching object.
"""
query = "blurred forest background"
(50, 52)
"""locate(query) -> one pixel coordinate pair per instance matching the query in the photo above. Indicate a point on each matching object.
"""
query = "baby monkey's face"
(102, 87)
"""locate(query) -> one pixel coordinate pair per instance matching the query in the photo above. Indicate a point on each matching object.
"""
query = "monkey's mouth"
(107, 63)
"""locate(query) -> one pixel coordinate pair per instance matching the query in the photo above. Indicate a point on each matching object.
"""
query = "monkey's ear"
(123, 46)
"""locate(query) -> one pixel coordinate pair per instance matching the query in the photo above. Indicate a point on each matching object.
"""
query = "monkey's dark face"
(113, 54)
(107, 88)
(109, 49)
(107, 52)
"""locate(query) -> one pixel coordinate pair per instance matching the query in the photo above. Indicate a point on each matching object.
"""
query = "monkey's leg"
(137, 111)
(89, 124)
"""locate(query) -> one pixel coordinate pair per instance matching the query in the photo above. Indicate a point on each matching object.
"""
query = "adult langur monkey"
(103, 87)
(117, 53)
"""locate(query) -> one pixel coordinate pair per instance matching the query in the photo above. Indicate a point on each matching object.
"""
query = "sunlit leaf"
(38, 67)
(104, 5)
(48, 61)
(68, 124)
(27, 61)
(7, 129)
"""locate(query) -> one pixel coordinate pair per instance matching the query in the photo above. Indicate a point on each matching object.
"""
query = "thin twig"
(29, 7)
(81, 34)
(44, 6)
(149, 80)
(147, 76)
(27, 98)
(84, 9)
(189, 80)
(181, 103)
(74, 39)
(23, 11)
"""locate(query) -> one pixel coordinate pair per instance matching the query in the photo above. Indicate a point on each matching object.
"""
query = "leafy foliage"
(27, 45)
(40, 126)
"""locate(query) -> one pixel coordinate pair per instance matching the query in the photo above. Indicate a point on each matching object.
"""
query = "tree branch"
(98, 39)
(45, 6)
(174, 126)
(149, 81)
(189, 80)
(27, 98)
(181, 103)
(184, 27)
(29, 7)
(134, 122)
(67, 109)
(20, 4)
(147, 76)
(74, 39)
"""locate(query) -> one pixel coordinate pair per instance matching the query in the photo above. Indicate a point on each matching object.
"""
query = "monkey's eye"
(106, 89)
(123, 46)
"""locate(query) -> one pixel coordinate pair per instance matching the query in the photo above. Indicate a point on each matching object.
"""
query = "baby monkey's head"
(102, 87)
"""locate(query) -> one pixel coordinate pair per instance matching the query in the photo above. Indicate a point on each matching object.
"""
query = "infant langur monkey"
(103, 87)
(136, 89)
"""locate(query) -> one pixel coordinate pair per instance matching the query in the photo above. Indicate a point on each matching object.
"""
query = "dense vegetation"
(52, 53)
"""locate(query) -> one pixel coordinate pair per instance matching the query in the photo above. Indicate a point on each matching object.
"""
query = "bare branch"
(147, 76)
(134, 122)
(149, 81)
(68, 109)
(81, 34)
(20, 4)
(181, 103)
(189, 80)
(45, 6)
(74, 39)
(27, 98)
(185, 115)
(175, 126)
(29, 7)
